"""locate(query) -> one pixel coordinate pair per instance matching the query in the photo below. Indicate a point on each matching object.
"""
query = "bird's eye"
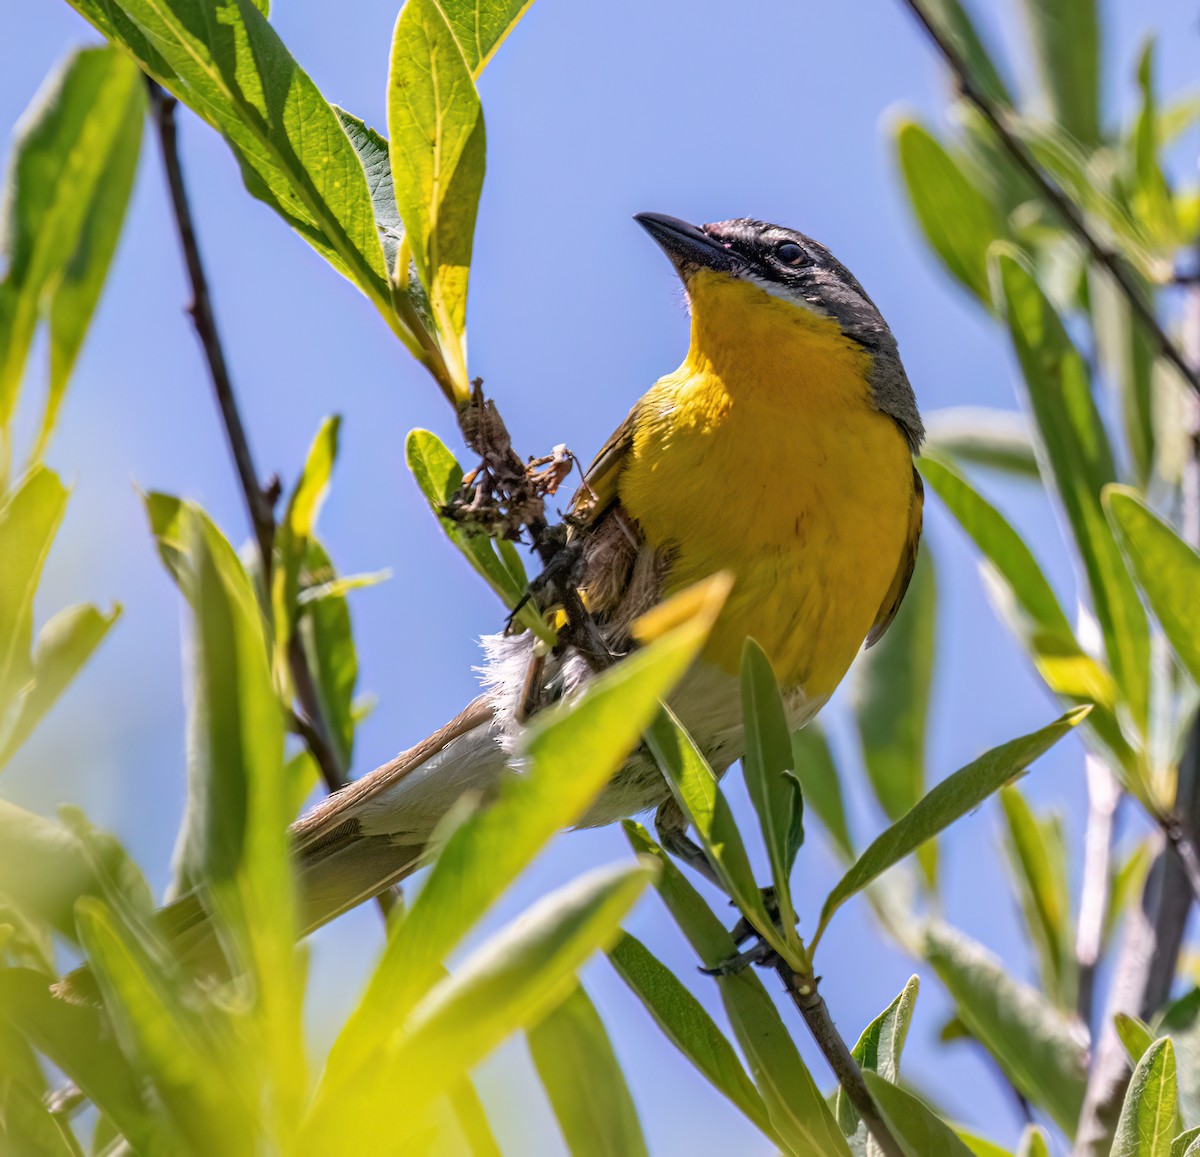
(789, 253)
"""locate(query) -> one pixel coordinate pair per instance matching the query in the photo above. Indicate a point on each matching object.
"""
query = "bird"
(781, 451)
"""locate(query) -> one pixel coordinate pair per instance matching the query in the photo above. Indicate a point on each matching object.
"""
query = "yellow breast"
(763, 455)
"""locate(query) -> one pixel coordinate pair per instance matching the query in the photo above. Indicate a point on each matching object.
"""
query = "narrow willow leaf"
(472, 1120)
(227, 63)
(1181, 1021)
(892, 703)
(958, 220)
(953, 798)
(1183, 1144)
(31, 1129)
(72, 134)
(583, 1079)
(1065, 35)
(327, 636)
(1166, 568)
(77, 289)
(439, 476)
(915, 1126)
(695, 788)
(1036, 1045)
(803, 1122)
(687, 1025)
(1033, 1143)
(822, 785)
(770, 772)
(1135, 1036)
(436, 142)
(77, 1041)
(1029, 605)
(1059, 394)
(170, 1043)
(878, 1049)
(1149, 1118)
(63, 646)
(511, 982)
(29, 520)
(298, 526)
(1037, 855)
(980, 436)
(570, 753)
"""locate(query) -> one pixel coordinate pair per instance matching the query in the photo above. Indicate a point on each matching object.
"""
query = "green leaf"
(1032, 610)
(1037, 1046)
(570, 753)
(980, 436)
(298, 526)
(63, 646)
(803, 1122)
(1166, 568)
(1182, 1144)
(951, 799)
(227, 63)
(439, 476)
(511, 982)
(1059, 394)
(169, 1043)
(29, 519)
(327, 636)
(1065, 35)
(821, 785)
(769, 768)
(71, 168)
(30, 1129)
(694, 786)
(1033, 1143)
(878, 1050)
(480, 26)
(435, 126)
(1149, 1117)
(472, 1120)
(1135, 1035)
(372, 150)
(958, 220)
(77, 1041)
(892, 702)
(915, 1126)
(688, 1026)
(1037, 855)
(583, 1080)
(1181, 1020)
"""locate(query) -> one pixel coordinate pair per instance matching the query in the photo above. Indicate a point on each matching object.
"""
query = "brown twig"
(1062, 204)
(260, 500)
(805, 995)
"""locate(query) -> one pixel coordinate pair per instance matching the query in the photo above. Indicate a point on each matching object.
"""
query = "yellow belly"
(762, 455)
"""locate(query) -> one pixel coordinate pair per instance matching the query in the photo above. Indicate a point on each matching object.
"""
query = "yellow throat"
(763, 455)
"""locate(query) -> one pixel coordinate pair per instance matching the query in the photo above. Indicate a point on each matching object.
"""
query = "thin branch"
(806, 996)
(260, 500)
(1104, 794)
(1063, 205)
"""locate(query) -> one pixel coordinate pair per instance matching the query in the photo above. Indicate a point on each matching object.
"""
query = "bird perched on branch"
(780, 452)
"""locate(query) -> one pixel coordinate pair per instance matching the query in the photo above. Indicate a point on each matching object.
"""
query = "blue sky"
(770, 109)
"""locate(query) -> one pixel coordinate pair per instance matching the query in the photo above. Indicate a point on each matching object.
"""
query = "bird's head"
(791, 267)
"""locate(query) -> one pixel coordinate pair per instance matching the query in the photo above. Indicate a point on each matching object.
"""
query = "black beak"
(688, 248)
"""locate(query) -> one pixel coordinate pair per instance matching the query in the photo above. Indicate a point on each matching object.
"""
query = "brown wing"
(602, 478)
(908, 560)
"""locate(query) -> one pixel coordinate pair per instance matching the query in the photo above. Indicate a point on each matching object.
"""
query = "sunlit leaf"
(1065, 35)
(583, 1080)
(951, 799)
(481, 26)
(1134, 1034)
(979, 436)
(919, 1131)
(436, 141)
